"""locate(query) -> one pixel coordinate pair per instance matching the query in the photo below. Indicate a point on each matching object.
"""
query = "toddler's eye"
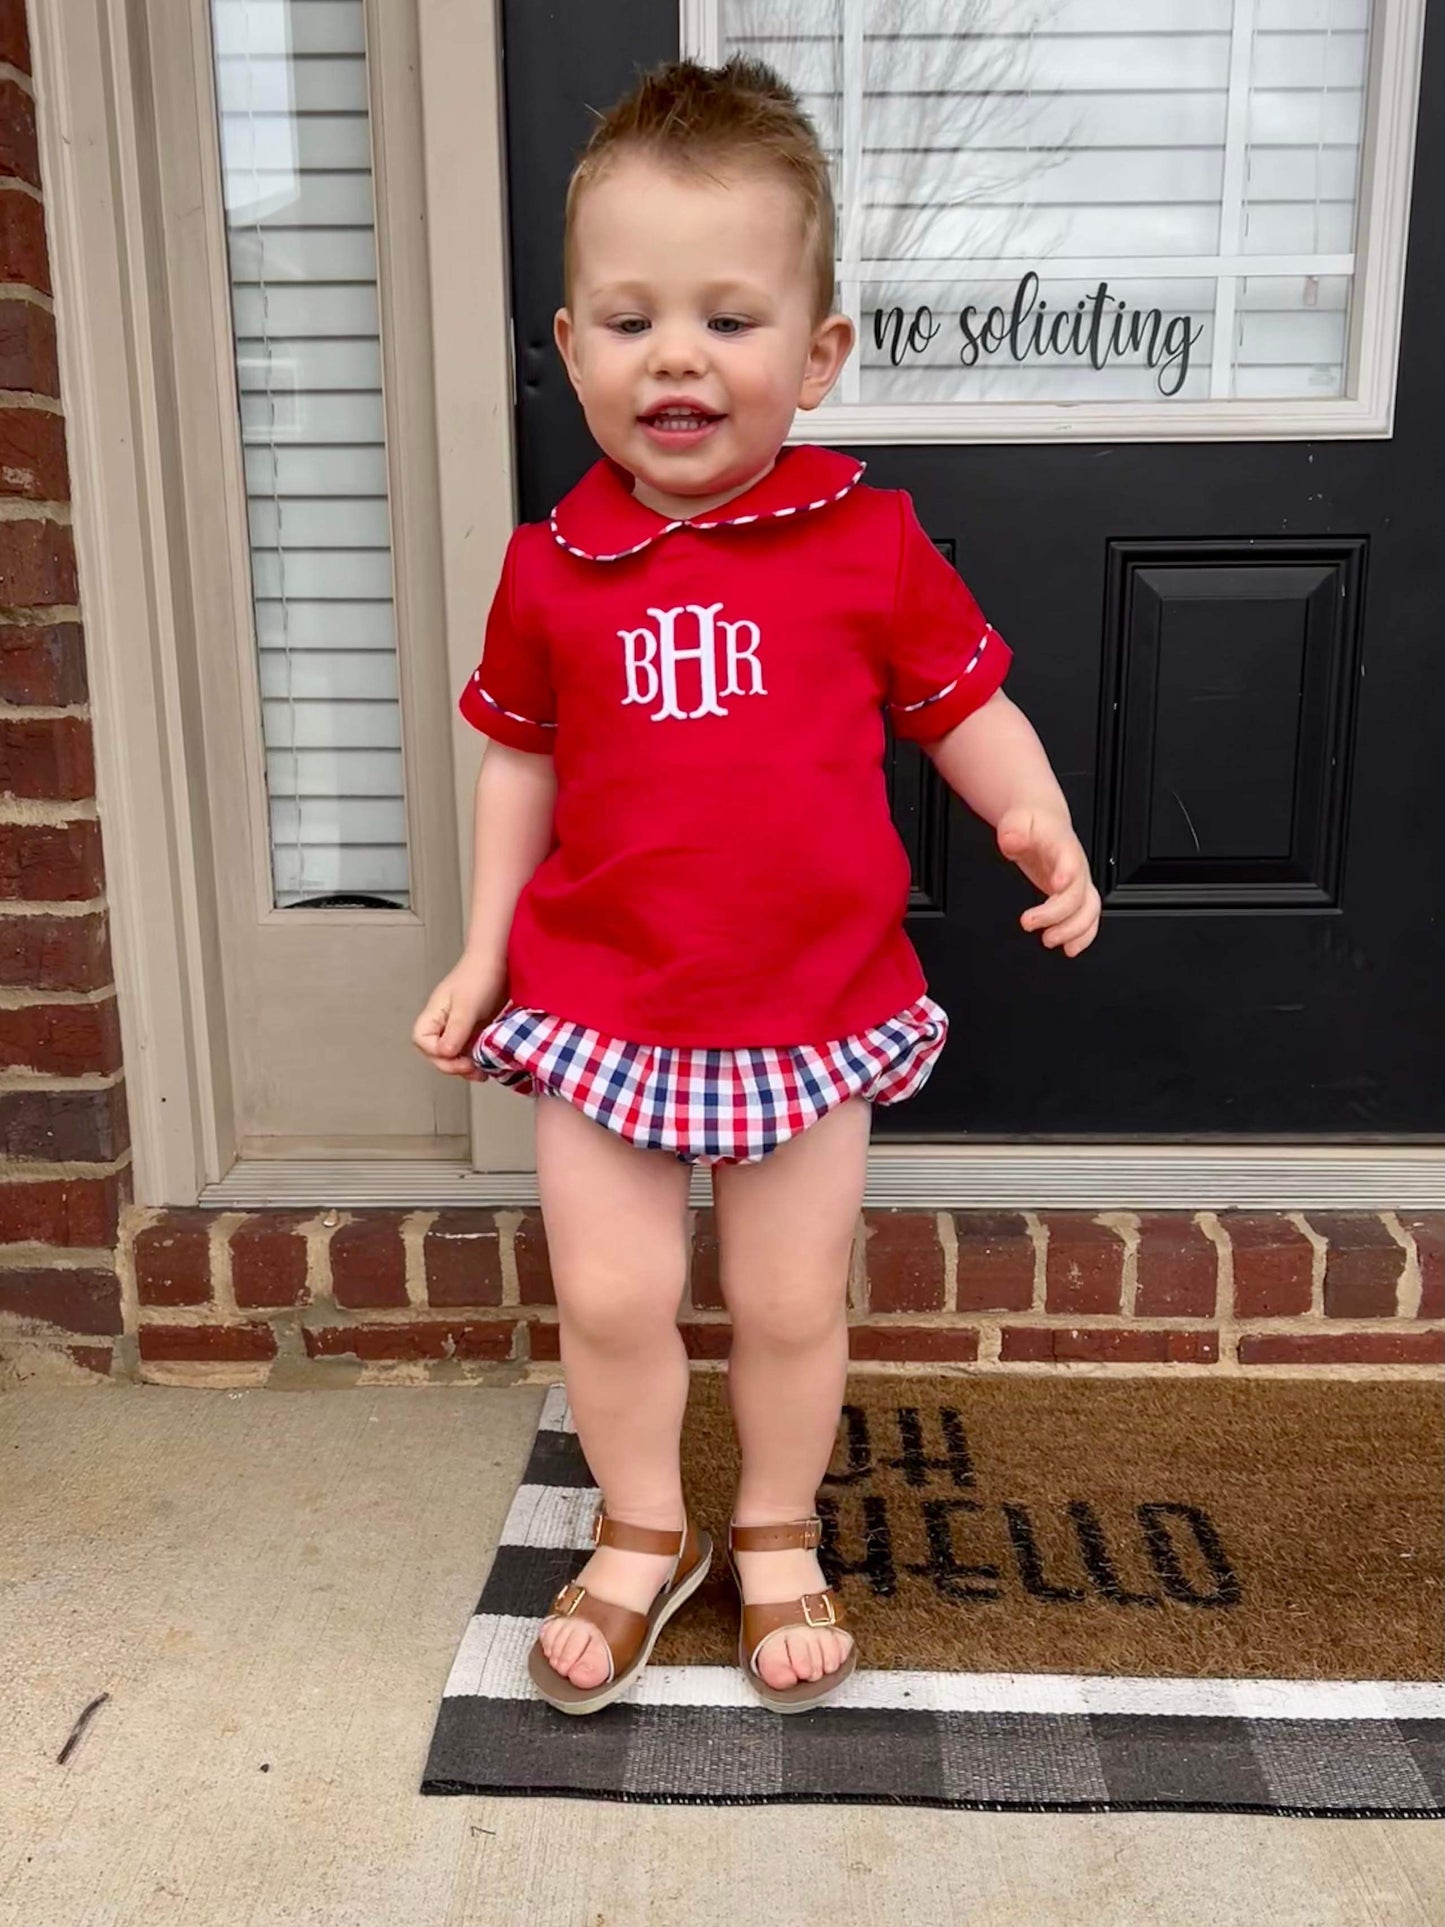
(629, 324)
(729, 323)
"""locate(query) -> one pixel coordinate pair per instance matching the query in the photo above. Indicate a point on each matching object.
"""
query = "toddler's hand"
(1051, 856)
(466, 997)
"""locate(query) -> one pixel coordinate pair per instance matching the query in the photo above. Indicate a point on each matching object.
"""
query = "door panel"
(307, 526)
(1238, 636)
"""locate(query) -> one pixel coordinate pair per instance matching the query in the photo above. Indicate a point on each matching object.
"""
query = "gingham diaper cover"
(709, 1106)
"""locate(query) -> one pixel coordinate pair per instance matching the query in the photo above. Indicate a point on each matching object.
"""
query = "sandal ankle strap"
(797, 1535)
(607, 1531)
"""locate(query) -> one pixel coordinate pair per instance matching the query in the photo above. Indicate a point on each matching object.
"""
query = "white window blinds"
(1066, 200)
(291, 85)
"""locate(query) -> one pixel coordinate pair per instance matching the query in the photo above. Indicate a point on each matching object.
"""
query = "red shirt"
(725, 870)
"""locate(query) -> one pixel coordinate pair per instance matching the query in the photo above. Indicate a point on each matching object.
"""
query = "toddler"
(686, 929)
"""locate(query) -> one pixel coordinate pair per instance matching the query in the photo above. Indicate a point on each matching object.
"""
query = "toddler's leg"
(616, 1221)
(785, 1229)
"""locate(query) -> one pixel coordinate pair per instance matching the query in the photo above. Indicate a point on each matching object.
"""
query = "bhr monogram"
(652, 657)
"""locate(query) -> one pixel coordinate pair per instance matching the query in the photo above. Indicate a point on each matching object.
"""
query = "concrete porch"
(270, 1587)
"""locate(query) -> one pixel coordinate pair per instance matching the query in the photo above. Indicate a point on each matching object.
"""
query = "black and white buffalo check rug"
(1037, 1742)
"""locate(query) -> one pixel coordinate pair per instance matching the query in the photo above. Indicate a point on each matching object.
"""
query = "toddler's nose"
(676, 351)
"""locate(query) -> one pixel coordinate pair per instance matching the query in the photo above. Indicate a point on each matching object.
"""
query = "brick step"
(438, 1292)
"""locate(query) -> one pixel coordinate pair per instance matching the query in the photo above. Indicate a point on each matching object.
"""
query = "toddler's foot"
(576, 1649)
(802, 1652)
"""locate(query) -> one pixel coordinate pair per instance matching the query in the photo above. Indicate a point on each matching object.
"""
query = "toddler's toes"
(780, 1661)
(575, 1650)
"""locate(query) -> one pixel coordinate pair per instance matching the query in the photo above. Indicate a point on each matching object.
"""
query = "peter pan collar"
(602, 520)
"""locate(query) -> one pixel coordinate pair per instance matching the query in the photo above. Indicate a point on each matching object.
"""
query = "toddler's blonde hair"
(694, 118)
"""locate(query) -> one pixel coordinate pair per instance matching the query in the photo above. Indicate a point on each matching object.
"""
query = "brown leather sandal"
(761, 1621)
(628, 1636)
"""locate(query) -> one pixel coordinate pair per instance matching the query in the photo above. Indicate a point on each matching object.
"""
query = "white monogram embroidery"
(652, 656)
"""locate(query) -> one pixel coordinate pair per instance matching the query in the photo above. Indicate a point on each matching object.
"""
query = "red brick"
(1108, 1345)
(269, 1259)
(1026, 1344)
(173, 1259)
(64, 1126)
(22, 240)
(543, 1341)
(37, 562)
(1362, 1266)
(473, 1339)
(85, 1300)
(32, 455)
(42, 663)
(534, 1271)
(63, 1211)
(66, 1039)
(19, 150)
(1178, 1268)
(368, 1262)
(706, 1266)
(29, 361)
(48, 757)
(707, 1341)
(1084, 1268)
(55, 953)
(1427, 1228)
(1273, 1264)
(901, 1342)
(14, 35)
(904, 1261)
(995, 1261)
(462, 1252)
(1342, 1348)
(176, 1343)
(50, 862)
(93, 1358)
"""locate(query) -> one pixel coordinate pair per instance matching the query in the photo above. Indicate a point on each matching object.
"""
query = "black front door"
(1231, 652)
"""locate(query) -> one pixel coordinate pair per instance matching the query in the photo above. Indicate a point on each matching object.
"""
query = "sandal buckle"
(572, 1594)
(597, 1527)
(829, 1618)
(813, 1535)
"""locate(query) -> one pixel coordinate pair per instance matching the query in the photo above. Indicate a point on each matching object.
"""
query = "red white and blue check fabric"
(709, 1106)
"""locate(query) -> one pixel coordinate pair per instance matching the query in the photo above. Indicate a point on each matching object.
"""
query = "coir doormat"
(1067, 1594)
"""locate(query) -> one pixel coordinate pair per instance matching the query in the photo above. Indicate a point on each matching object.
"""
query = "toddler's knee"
(615, 1311)
(789, 1322)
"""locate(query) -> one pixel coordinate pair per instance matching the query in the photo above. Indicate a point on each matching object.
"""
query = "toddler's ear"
(565, 336)
(830, 347)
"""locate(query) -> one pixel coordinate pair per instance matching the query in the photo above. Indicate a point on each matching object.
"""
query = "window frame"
(1366, 412)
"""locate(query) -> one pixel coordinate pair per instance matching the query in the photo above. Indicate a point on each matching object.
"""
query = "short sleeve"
(509, 695)
(943, 660)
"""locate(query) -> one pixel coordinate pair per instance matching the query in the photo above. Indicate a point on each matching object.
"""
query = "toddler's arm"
(511, 834)
(994, 760)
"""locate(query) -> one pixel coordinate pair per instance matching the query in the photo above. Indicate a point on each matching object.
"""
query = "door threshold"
(1093, 1177)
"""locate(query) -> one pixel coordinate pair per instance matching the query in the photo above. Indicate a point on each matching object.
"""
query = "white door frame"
(101, 210)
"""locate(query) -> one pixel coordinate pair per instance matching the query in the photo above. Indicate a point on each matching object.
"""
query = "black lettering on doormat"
(876, 1565)
(860, 1449)
(1099, 1561)
(915, 1463)
(1164, 1555)
(943, 1567)
(1030, 1561)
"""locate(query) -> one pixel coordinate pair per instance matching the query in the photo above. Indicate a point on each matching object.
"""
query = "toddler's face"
(697, 291)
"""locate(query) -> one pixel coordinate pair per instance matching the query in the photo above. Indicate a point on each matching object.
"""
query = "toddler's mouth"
(675, 420)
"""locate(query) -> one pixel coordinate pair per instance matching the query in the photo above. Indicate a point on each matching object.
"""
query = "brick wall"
(63, 1162)
(327, 1296)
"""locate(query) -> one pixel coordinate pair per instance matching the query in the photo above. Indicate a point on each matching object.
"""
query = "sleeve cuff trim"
(904, 709)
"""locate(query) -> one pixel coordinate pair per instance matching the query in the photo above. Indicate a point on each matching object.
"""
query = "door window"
(296, 164)
(1150, 214)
